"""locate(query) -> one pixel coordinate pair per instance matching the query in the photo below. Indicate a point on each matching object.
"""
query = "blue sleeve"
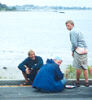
(58, 74)
(39, 64)
(21, 65)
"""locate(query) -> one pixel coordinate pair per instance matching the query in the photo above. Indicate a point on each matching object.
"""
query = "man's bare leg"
(85, 72)
(25, 76)
(78, 73)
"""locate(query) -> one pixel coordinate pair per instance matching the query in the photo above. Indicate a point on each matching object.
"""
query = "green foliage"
(70, 72)
(4, 7)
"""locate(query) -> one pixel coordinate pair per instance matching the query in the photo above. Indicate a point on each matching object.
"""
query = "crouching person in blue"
(50, 78)
(30, 66)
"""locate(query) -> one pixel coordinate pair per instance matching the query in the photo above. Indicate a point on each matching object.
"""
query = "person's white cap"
(58, 58)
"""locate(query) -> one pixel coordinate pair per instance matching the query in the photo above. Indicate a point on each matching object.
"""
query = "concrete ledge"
(82, 81)
(11, 82)
(18, 82)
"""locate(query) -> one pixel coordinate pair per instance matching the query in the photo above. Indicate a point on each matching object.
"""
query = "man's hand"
(28, 71)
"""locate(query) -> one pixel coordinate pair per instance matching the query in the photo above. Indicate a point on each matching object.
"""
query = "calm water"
(44, 32)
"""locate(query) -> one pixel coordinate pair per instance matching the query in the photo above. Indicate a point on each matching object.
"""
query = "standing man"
(79, 52)
(30, 66)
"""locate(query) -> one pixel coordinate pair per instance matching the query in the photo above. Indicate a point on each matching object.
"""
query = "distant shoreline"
(30, 7)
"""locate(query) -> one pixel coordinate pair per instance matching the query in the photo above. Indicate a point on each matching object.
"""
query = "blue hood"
(50, 61)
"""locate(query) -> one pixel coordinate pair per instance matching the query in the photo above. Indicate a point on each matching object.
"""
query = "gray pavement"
(29, 93)
(18, 82)
(11, 90)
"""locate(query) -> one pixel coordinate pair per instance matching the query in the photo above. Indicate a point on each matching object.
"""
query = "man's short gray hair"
(30, 52)
(70, 21)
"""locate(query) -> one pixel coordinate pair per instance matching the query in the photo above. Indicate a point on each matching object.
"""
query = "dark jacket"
(49, 77)
(35, 64)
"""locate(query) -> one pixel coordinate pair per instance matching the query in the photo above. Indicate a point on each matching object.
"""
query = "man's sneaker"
(26, 83)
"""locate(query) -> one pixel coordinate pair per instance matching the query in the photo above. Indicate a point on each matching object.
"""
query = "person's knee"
(23, 73)
(78, 71)
(85, 71)
(19, 67)
(64, 80)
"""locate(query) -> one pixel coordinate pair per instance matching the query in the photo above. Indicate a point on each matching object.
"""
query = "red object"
(90, 71)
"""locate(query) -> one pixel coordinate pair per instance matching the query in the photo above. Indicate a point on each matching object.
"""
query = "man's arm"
(23, 64)
(58, 74)
(73, 39)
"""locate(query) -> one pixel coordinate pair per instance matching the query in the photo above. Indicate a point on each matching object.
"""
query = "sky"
(69, 3)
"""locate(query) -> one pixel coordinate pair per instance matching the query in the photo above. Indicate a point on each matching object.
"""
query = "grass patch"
(70, 72)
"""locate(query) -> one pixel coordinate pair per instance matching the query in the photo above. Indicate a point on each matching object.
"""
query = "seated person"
(30, 66)
(50, 78)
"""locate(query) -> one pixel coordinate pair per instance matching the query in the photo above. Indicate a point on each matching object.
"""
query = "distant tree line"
(4, 7)
(30, 7)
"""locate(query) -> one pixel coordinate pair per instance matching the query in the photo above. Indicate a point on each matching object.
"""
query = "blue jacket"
(35, 64)
(49, 77)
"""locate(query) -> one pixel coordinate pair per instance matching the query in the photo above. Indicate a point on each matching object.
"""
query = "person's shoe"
(26, 83)
(86, 84)
(77, 84)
